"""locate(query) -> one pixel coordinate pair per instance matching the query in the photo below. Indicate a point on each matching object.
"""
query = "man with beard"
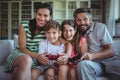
(99, 45)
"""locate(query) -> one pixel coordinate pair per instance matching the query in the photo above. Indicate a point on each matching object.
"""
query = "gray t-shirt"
(97, 36)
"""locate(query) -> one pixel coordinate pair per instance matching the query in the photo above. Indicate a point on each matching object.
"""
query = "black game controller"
(75, 58)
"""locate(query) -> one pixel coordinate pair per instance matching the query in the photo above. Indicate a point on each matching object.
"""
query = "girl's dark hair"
(68, 22)
(52, 24)
(32, 23)
(76, 41)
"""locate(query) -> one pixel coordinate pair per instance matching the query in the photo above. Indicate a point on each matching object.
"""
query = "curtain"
(113, 13)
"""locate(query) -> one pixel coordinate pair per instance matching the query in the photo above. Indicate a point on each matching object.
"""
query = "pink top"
(80, 44)
(73, 52)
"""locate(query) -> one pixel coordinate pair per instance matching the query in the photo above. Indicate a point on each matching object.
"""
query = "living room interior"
(12, 12)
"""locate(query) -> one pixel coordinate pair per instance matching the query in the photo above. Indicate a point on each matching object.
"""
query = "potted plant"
(117, 27)
(117, 20)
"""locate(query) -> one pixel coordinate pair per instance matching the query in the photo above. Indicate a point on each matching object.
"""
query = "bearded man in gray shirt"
(99, 43)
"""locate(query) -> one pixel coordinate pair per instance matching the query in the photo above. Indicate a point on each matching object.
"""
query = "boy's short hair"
(52, 24)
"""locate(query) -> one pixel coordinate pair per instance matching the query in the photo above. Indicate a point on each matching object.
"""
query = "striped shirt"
(32, 44)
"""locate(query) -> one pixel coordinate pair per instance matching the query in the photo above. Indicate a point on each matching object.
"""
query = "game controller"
(75, 58)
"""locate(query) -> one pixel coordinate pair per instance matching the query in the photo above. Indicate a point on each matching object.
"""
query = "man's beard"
(83, 32)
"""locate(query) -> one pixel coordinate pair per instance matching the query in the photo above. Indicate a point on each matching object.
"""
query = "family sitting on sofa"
(46, 47)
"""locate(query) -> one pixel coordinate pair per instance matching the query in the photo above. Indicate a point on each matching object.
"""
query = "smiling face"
(52, 35)
(83, 21)
(68, 32)
(42, 16)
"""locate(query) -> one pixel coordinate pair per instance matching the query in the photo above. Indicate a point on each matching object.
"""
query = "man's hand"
(87, 56)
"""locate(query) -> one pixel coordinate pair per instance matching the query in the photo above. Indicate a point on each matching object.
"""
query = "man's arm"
(105, 53)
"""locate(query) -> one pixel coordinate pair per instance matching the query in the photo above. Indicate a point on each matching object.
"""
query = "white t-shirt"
(46, 46)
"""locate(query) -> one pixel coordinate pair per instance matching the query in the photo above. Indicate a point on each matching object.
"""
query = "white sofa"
(6, 46)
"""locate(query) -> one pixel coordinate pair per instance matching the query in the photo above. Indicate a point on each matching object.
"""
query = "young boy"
(52, 48)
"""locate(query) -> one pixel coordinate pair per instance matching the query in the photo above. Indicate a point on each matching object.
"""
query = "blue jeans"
(89, 70)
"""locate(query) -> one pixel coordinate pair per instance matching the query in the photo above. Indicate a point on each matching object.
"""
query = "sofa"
(6, 46)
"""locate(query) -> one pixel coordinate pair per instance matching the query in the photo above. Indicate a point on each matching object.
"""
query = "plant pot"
(117, 29)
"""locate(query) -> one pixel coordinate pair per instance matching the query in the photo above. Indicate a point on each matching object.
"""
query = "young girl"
(52, 48)
(68, 32)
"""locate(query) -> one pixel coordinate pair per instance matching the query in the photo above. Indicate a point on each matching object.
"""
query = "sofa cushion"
(4, 75)
(116, 45)
(16, 41)
(102, 78)
(6, 46)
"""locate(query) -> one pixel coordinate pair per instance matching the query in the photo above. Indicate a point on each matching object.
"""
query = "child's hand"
(53, 57)
(76, 58)
(43, 59)
(62, 59)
